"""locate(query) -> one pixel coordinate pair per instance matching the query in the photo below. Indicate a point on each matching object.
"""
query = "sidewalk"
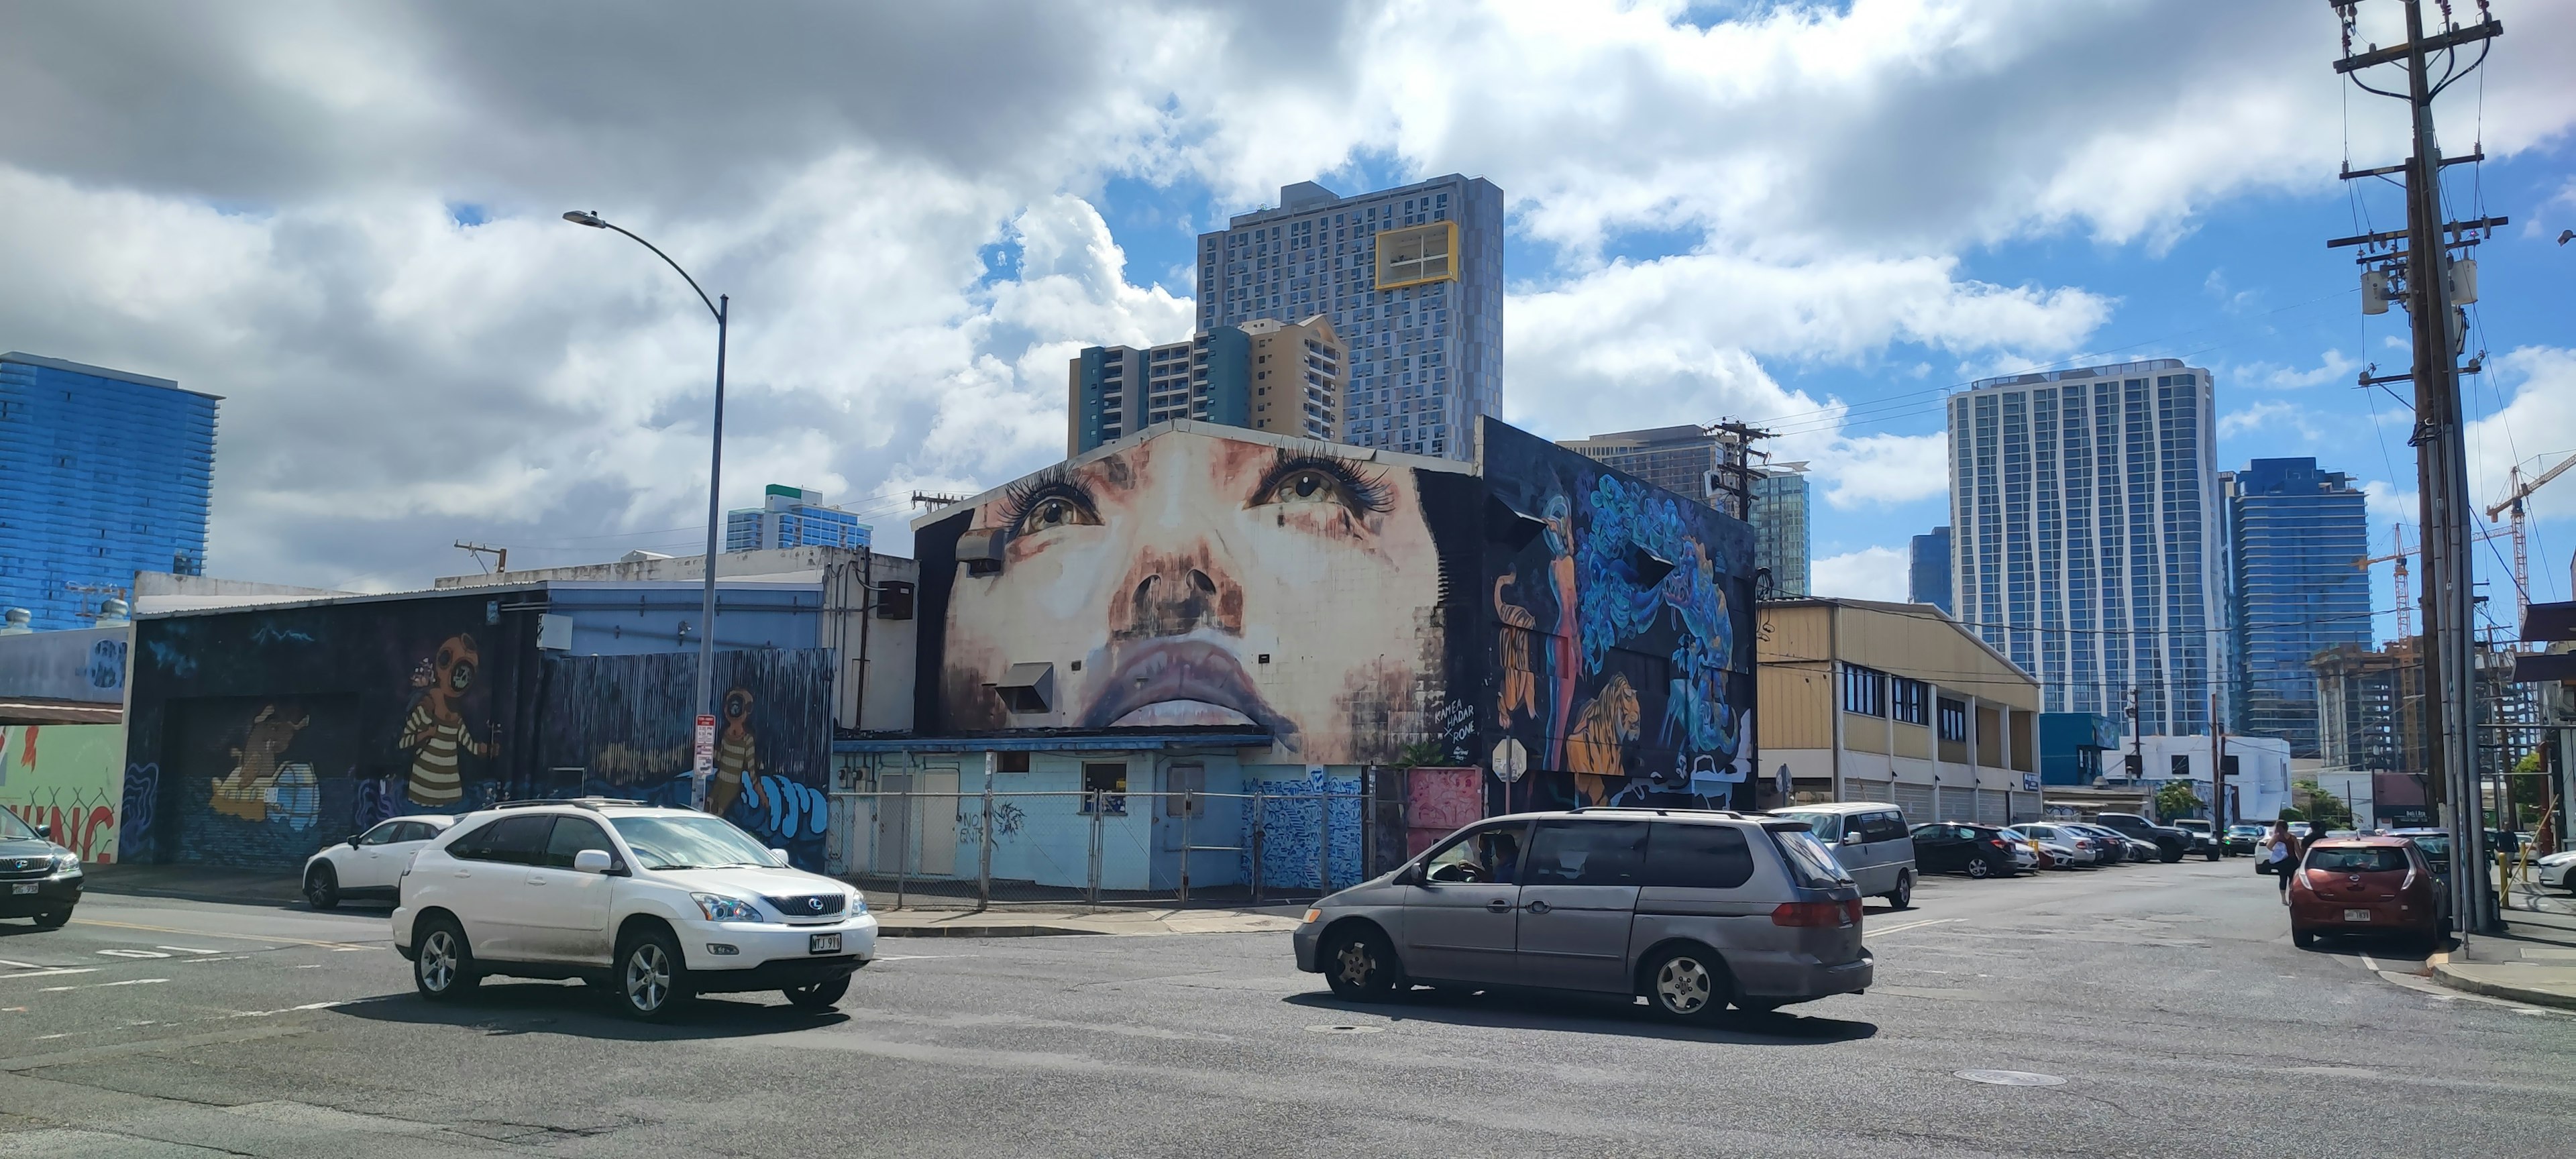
(251, 887)
(2533, 961)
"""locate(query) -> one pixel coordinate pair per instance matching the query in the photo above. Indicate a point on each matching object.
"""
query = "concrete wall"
(77, 664)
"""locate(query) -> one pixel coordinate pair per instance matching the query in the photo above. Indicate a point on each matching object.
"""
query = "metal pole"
(984, 847)
(1185, 846)
(903, 849)
(1324, 841)
(1096, 806)
(1258, 816)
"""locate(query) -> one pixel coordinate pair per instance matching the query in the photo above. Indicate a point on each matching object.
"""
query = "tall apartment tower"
(1780, 528)
(2088, 543)
(103, 473)
(1269, 375)
(1410, 278)
(1927, 578)
(2294, 531)
(793, 517)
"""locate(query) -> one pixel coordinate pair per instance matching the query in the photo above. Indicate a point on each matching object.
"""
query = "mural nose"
(1173, 595)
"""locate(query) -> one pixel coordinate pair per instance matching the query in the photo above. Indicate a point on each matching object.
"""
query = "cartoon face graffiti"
(1168, 570)
(436, 732)
(249, 790)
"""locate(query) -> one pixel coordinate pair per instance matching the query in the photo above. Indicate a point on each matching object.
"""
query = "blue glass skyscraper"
(1927, 579)
(103, 474)
(2296, 532)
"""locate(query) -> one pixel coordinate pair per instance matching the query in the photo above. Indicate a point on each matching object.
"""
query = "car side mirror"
(1851, 838)
(353, 840)
(778, 857)
(591, 861)
(44, 832)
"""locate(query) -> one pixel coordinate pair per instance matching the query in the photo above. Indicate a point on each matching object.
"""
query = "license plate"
(825, 944)
(24, 887)
(2356, 915)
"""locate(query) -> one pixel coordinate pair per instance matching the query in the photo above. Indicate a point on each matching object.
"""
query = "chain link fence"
(969, 850)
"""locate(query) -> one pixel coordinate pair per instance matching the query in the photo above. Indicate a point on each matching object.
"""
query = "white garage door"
(1917, 802)
(1864, 790)
(1993, 807)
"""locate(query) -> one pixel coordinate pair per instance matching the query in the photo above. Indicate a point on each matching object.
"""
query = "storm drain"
(2011, 1078)
(1344, 1028)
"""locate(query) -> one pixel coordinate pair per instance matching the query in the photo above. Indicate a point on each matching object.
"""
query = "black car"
(2170, 843)
(38, 879)
(1952, 847)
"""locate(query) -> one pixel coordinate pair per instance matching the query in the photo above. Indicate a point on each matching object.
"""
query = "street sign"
(1510, 760)
(706, 747)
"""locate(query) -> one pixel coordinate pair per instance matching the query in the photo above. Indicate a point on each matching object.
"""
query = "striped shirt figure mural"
(436, 732)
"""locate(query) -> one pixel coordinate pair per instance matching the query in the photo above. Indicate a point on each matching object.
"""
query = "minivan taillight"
(1817, 913)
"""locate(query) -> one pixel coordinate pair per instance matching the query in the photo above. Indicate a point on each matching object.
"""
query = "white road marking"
(102, 985)
(52, 973)
(133, 954)
(187, 949)
(19, 965)
(1911, 926)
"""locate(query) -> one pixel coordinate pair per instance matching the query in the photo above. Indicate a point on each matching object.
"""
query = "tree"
(2177, 800)
(2324, 808)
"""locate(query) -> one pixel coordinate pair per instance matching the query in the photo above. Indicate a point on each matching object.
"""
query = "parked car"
(2203, 840)
(2364, 885)
(2114, 845)
(1871, 842)
(38, 878)
(369, 864)
(2170, 842)
(2082, 847)
(654, 904)
(1693, 910)
(1955, 847)
(2051, 853)
(2436, 844)
(2244, 839)
(2556, 871)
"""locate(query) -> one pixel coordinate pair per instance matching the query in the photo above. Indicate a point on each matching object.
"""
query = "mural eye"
(1054, 511)
(1308, 485)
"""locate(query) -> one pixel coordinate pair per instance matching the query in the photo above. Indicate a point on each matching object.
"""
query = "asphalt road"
(2167, 997)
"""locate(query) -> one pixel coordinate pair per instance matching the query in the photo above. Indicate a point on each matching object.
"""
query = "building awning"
(2547, 623)
(2540, 668)
(1051, 740)
(43, 711)
(1024, 675)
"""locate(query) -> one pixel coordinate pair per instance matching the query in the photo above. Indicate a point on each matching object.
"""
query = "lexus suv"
(653, 904)
(38, 879)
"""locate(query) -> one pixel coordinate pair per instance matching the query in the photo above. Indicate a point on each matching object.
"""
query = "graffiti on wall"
(620, 726)
(436, 732)
(66, 776)
(1619, 638)
(1197, 580)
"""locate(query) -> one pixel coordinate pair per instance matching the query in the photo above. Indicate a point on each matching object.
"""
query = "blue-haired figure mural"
(1643, 685)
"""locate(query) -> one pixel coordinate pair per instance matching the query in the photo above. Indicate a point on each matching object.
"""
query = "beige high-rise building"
(1296, 378)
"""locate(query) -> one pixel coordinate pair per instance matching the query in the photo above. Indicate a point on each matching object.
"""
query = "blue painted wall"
(633, 619)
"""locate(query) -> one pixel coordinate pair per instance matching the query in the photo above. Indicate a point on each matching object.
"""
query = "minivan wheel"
(443, 968)
(1360, 966)
(322, 887)
(652, 982)
(1686, 982)
(1977, 868)
(1902, 897)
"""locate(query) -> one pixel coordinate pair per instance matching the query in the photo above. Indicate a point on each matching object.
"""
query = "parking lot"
(2167, 997)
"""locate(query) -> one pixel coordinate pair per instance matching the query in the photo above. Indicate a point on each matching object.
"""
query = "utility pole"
(501, 555)
(2137, 743)
(2217, 781)
(2420, 277)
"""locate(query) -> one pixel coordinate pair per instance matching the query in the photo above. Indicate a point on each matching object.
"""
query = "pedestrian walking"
(2282, 856)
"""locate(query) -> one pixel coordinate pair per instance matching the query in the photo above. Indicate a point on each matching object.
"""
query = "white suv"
(653, 904)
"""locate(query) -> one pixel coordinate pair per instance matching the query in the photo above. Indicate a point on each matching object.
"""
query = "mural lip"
(1180, 671)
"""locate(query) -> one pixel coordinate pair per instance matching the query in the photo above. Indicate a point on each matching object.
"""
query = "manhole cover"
(2011, 1078)
(1345, 1029)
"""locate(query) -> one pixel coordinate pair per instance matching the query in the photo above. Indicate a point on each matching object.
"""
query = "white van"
(1872, 841)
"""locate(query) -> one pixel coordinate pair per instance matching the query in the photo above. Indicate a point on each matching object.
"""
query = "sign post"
(704, 765)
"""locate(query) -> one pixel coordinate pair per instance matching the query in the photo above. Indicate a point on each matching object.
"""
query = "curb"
(2444, 974)
(122, 890)
(963, 931)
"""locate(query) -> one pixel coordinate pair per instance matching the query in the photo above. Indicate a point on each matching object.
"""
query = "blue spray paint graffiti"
(142, 795)
(1292, 824)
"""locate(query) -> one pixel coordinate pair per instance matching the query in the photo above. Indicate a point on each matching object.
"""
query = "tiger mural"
(1592, 746)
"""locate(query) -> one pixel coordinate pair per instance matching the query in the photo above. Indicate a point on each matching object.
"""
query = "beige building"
(1296, 378)
(1868, 701)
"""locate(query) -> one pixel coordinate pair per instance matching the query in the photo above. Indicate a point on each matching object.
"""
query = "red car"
(2364, 885)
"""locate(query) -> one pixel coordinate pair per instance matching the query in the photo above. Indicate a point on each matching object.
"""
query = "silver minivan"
(1870, 839)
(1694, 910)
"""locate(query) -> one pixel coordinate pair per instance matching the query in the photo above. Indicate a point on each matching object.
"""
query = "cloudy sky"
(345, 220)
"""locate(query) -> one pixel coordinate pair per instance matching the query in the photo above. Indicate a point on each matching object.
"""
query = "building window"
(1909, 701)
(1108, 778)
(1409, 257)
(1954, 719)
(1864, 690)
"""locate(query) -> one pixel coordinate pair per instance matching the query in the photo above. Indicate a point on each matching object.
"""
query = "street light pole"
(705, 710)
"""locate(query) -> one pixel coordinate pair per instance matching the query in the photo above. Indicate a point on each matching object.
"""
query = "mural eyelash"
(1367, 489)
(1053, 484)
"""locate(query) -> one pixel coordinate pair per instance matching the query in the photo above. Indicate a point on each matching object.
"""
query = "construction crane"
(2521, 554)
(2397, 537)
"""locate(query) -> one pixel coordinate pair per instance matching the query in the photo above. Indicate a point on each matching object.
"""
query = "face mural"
(1156, 580)
(436, 732)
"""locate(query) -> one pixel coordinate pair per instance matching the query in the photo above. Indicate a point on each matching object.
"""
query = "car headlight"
(67, 863)
(858, 904)
(720, 908)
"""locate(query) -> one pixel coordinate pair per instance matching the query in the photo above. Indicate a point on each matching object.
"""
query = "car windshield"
(689, 842)
(1809, 860)
(2435, 845)
(1825, 825)
(13, 829)
(2362, 859)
